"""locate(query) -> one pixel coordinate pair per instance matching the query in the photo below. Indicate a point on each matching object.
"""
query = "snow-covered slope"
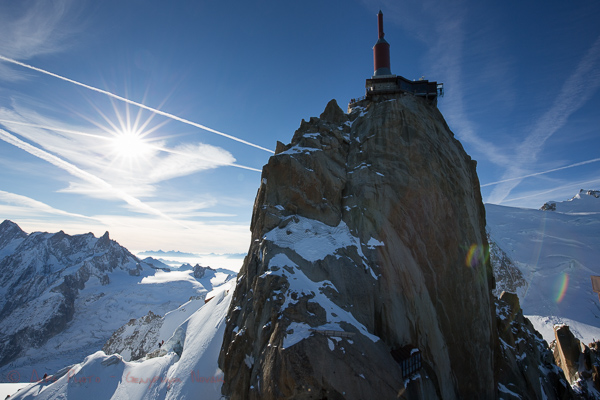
(185, 369)
(556, 250)
(141, 336)
(62, 297)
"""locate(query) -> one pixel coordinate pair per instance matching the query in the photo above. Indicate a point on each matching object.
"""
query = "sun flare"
(130, 144)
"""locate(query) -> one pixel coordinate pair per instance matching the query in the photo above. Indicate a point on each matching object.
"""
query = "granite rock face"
(368, 238)
(525, 366)
(579, 362)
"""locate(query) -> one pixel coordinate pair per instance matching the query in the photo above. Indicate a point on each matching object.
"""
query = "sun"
(130, 140)
(131, 145)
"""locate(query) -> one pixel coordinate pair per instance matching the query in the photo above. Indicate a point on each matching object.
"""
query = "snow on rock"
(300, 285)
(509, 277)
(313, 240)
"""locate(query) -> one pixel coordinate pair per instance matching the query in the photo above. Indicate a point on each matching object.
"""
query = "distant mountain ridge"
(41, 275)
(171, 253)
(176, 253)
(63, 296)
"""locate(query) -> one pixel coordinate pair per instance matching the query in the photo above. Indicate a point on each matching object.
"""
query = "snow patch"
(249, 361)
(313, 240)
(372, 243)
(296, 332)
(506, 390)
(299, 150)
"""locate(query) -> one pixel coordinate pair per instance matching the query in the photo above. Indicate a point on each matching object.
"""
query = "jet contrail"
(543, 172)
(163, 149)
(5, 121)
(154, 110)
(76, 171)
(571, 185)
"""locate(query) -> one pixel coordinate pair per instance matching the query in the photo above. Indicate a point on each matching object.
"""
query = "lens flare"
(563, 284)
(476, 256)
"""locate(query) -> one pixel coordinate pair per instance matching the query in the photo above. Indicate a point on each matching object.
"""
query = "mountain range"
(64, 296)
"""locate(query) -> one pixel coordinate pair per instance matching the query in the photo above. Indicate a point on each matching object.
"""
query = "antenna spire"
(381, 51)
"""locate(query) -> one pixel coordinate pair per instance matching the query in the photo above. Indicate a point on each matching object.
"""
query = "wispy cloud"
(189, 210)
(184, 161)
(445, 35)
(35, 207)
(564, 191)
(203, 237)
(33, 215)
(29, 29)
(575, 92)
(83, 175)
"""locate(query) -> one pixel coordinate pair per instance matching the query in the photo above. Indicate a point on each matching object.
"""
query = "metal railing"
(333, 333)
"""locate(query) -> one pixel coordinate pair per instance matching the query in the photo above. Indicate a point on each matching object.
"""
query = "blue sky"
(522, 94)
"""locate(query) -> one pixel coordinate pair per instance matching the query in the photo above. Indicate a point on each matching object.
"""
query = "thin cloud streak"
(575, 92)
(556, 189)
(123, 99)
(20, 200)
(543, 172)
(39, 29)
(86, 176)
(447, 43)
(50, 128)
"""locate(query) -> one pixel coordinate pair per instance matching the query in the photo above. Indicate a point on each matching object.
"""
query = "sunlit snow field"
(557, 252)
(101, 310)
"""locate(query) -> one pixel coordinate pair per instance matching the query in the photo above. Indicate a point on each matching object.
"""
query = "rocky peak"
(200, 271)
(9, 227)
(368, 236)
(103, 242)
(548, 206)
(10, 231)
(580, 363)
(594, 193)
(333, 113)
